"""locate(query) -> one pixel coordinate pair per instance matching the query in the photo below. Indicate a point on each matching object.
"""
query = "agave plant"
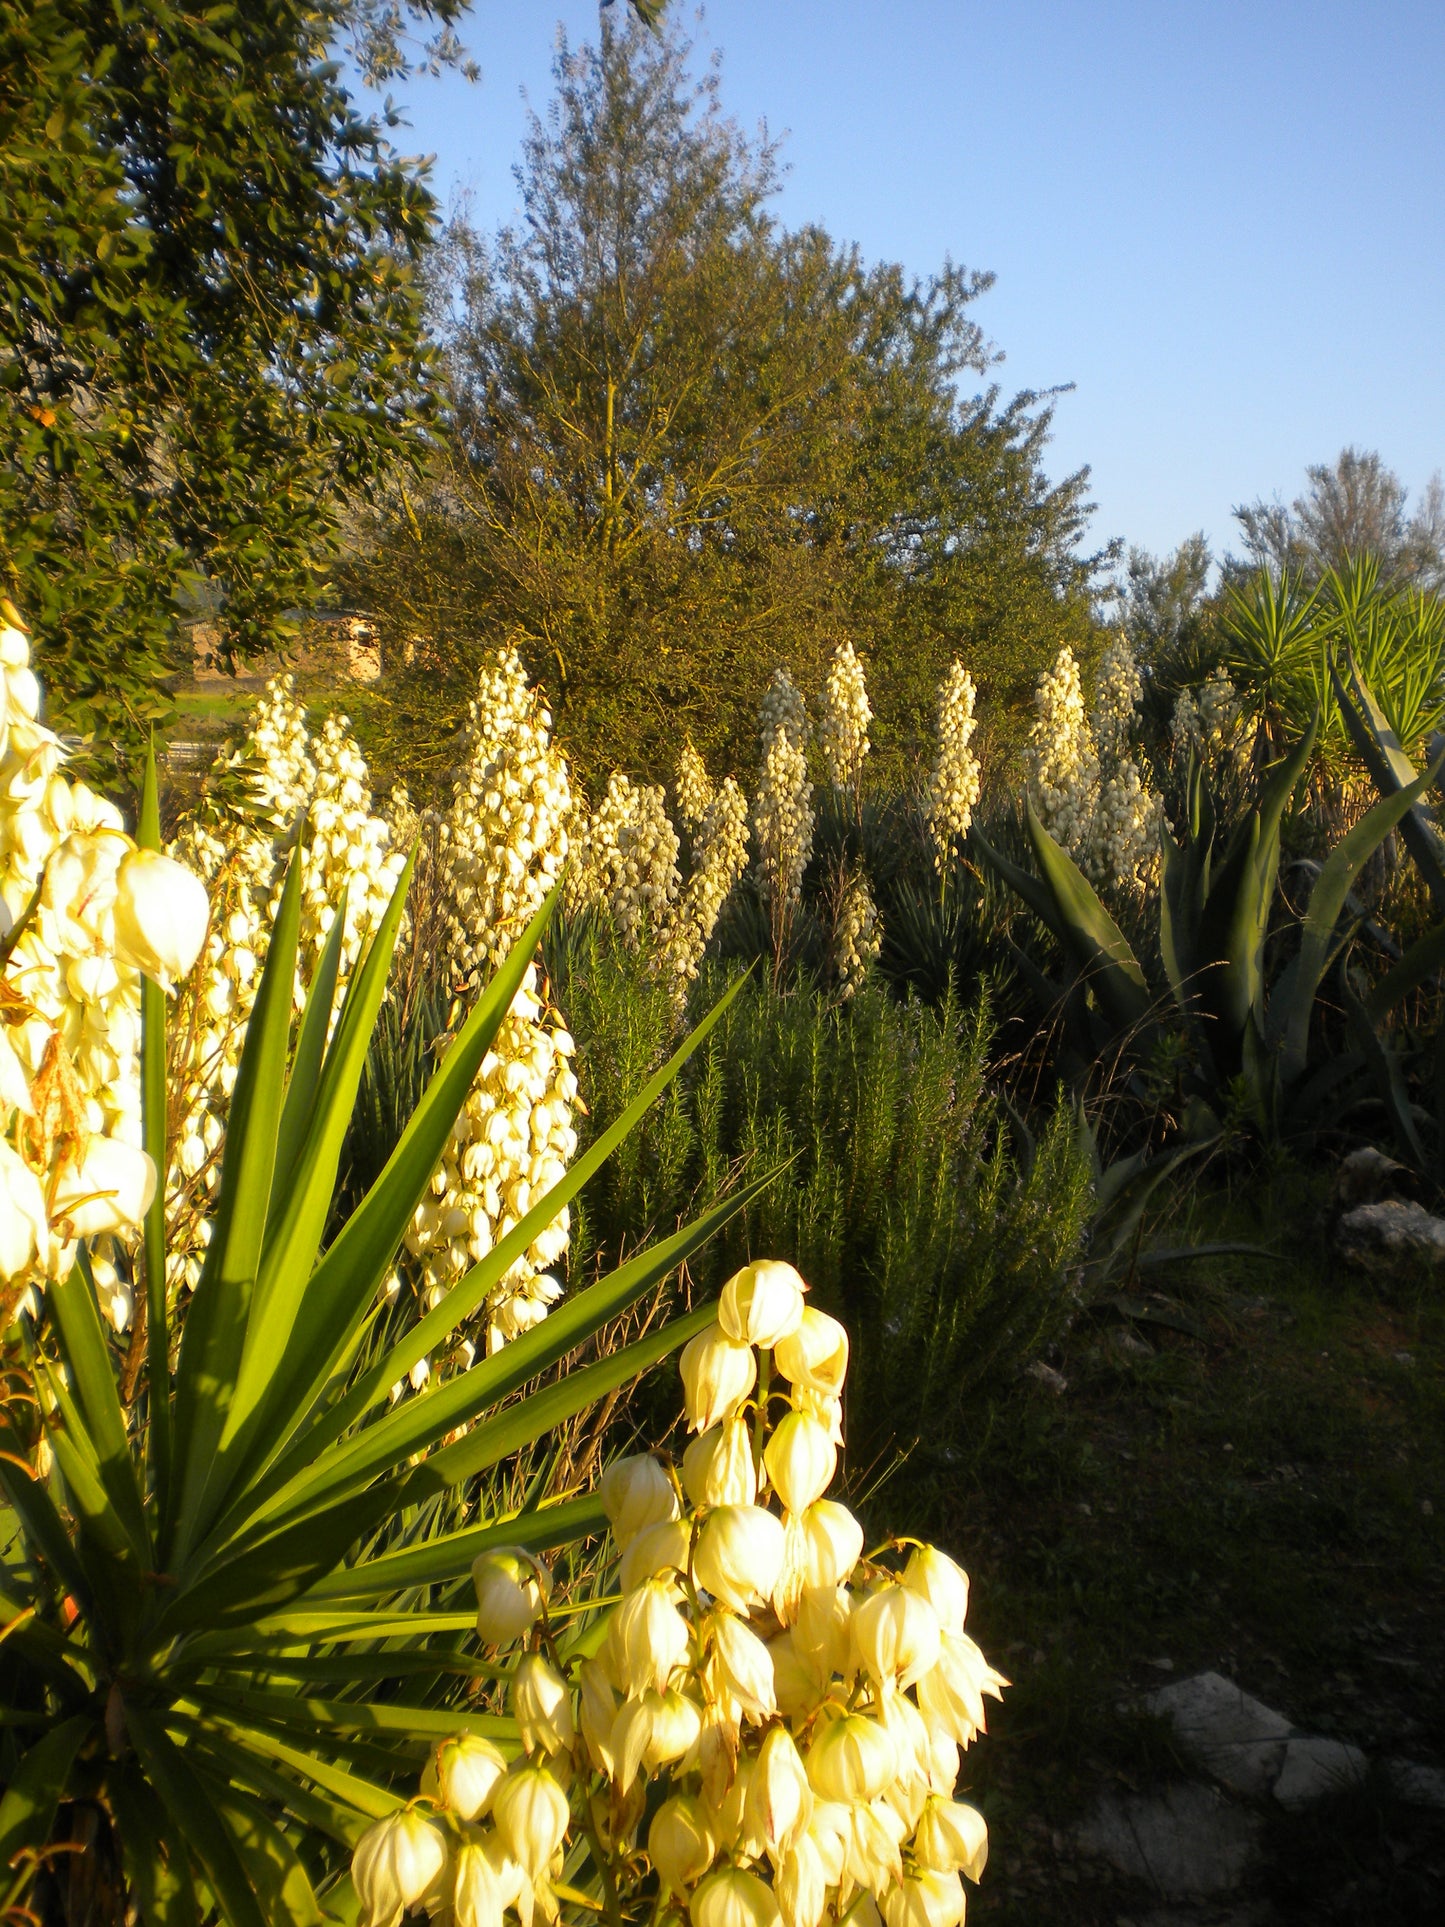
(223, 1632)
(1217, 900)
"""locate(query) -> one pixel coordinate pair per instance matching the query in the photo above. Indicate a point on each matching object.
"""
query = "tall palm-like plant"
(195, 1653)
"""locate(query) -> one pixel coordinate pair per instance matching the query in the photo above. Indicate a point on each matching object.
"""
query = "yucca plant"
(1216, 906)
(196, 1655)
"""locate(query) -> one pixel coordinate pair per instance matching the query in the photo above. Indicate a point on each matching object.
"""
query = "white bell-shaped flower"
(896, 1635)
(717, 1375)
(762, 1304)
(542, 1705)
(512, 1588)
(851, 1759)
(800, 1459)
(779, 1798)
(398, 1864)
(161, 914)
(951, 1837)
(636, 1493)
(681, 1843)
(738, 1555)
(942, 1583)
(718, 1466)
(733, 1898)
(463, 1773)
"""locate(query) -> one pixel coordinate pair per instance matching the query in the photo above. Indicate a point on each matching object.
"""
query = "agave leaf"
(215, 1327)
(304, 1081)
(156, 1869)
(1096, 941)
(1295, 997)
(451, 1556)
(465, 1298)
(1391, 770)
(38, 1785)
(363, 1796)
(193, 1818)
(358, 1716)
(1424, 959)
(1384, 1067)
(340, 1293)
(291, 1247)
(419, 1422)
(97, 1405)
(518, 1425)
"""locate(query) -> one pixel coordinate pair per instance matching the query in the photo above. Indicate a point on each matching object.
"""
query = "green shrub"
(935, 1228)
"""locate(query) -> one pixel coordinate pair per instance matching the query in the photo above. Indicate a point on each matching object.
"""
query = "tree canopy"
(211, 332)
(685, 444)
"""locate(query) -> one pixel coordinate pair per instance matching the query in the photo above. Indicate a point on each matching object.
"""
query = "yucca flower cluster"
(719, 858)
(694, 789)
(285, 777)
(1063, 758)
(843, 721)
(1124, 841)
(857, 934)
(783, 807)
(502, 847)
(506, 838)
(1088, 787)
(768, 1730)
(953, 786)
(1209, 720)
(83, 913)
(626, 859)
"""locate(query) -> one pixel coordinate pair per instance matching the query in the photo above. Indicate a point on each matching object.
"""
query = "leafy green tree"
(686, 445)
(211, 332)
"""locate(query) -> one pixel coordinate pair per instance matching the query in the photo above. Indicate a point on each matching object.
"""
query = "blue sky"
(1224, 223)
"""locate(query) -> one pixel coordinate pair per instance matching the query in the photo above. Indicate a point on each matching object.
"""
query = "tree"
(211, 332)
(685, 445)
(1352, 508)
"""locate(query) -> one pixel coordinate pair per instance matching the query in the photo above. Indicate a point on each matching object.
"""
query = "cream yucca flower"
(843, 721)
(694, 788)
(857, 935)
(801, 1703)
(626, 860)
(512, 1589)
(398, 1864)
(719, 858)
(83, 913)
(953, 786)
(783, 807)
(1063, 757)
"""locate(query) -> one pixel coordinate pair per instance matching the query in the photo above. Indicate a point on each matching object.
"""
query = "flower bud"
(636, 1493)
(779, 1799)
(732, 1898)
(161, 913)
(662, 1548)
(648, 1637)
(109, 1190)
(925, 1899)
(542, 1705)
(478, 1894)
(24, 1230)
(531, 1815)
(512, 1589)
(951, 1836)
(680, 1843)
(896, 1635)
(851, 1759)
(942, 1583)
(801, 1884)
(717, 1376)
(762, 1304)
(815, 1354)
(463, 1773)
(950, 1693)
(396, 1865)
(652, 1731)
(718, 1468)
(801, 1460)
(598, 1705)
(738, 1555)
(741, 1665)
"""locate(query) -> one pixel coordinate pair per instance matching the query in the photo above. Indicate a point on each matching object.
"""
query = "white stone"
(1314, 1768)
(1237, 1739)
(1186, 1840)
(1392, 1239)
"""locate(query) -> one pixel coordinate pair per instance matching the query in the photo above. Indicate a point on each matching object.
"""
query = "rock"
(1220, 1728)
(1392, 1239)
(1416, 1785)
(1314, 1768)
(1186, 1840)
(1051, 1380)
(1365, 1176)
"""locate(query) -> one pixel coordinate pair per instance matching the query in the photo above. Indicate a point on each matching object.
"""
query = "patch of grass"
(1266, 1501)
